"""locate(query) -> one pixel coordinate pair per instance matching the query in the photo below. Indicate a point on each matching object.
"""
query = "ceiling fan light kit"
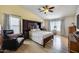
(46, 9)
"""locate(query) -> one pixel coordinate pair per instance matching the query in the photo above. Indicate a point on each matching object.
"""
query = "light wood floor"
(57, 45)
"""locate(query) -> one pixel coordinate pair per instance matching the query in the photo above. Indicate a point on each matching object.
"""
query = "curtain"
(49, 25)
(63, 32)
(62, 26)
(12, 22)
(55, 25)
(6, 22)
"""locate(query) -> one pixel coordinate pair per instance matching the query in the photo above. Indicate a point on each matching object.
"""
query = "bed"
(41, 37)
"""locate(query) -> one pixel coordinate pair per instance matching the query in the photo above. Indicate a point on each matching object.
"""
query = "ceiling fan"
(46, 9)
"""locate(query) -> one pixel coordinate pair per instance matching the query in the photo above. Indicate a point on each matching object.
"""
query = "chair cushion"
(19, 39)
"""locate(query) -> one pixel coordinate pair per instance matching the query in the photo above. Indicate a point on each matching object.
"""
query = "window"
(14, 24)
(55, 25)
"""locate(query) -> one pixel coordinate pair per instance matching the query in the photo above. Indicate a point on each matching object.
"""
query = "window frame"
(19, 21)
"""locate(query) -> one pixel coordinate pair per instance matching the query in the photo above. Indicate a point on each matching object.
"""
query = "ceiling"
(58, 12)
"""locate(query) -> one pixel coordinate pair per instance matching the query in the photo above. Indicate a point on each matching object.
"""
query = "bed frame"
(28, 25)
(46, 40)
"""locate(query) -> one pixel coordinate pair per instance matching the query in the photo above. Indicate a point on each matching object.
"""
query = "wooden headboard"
(28, 25)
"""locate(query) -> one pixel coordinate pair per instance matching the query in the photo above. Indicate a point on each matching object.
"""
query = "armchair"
(11, 41)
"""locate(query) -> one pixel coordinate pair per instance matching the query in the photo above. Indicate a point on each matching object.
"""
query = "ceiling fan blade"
(44, 12)
(43, 7)
(41, 10)
(50, 10)
(46, 6)
(51, 7)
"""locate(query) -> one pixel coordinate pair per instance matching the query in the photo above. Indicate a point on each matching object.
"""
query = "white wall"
(45, 24)
(68, 22)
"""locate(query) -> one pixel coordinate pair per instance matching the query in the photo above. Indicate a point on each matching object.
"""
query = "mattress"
(38, 36)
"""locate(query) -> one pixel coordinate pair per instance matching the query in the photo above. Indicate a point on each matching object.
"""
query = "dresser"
(72, 29)
(74, 43)
(1, 40)
(73, 40)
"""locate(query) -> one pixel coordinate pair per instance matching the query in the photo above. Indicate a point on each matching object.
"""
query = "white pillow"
(35, 29)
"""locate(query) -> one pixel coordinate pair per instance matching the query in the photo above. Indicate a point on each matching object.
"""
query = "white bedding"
(39, 35)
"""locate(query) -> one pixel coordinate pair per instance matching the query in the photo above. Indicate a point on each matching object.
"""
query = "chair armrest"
(20, 35)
